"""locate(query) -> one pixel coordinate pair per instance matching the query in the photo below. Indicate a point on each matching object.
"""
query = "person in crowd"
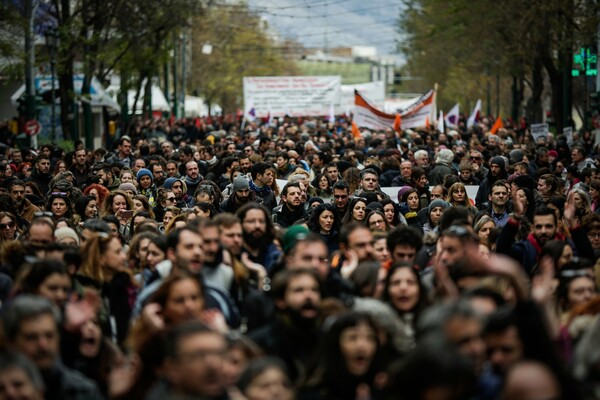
(291, 208)
(262, 178)
(496, 172)
(457, 196)
(325, 222)
(377, 222)
(357, 210)
(32, 326)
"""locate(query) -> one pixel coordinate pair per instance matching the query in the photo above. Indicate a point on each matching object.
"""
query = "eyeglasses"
(40, 214)
(457, 231)
(575, 273)
(9, 225)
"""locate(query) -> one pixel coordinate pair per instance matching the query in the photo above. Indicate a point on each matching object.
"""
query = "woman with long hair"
(9, 228)
(86, 207)
(583, 204)
(119, 204)
(377, 222)
(104, 268)
(357, 210)
(547, 187)
(410, 206)
(324, 221)
(59, 167)
(99, 192)
(352, 358)
(483, 227)
(323, 187)
(391, 211)
(595, 196)
(405, 293)
(457, 196)
(141, 203)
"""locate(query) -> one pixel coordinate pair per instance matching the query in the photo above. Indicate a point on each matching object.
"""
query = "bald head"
(530, 380)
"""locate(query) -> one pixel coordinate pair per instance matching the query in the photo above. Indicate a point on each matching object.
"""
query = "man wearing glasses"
(476, 158)
(341, 197)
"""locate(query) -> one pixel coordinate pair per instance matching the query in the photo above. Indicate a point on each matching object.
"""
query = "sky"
(334, 23)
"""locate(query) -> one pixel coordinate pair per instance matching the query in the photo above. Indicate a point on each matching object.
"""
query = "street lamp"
(52, 43)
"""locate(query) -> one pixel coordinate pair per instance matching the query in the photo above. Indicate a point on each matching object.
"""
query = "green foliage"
(241, 47)
(462, 44)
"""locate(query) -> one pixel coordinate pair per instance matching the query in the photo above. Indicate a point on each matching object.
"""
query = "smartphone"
(126, 214)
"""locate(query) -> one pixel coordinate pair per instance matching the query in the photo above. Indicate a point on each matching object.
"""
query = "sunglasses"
(7, 225)
(59, 193)
(341, 196)
(475, 158)
(171, 198)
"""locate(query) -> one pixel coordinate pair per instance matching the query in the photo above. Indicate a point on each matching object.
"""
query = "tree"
(523, 42)
(240, 47)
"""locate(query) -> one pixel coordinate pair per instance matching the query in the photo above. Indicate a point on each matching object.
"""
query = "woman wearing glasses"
(9, 231)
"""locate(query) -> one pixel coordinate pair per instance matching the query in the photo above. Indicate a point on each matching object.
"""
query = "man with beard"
(262, 178)
(158, 173)
(291, 208)
(295, 329)
(192, 177)
(358, 239)
(497, 172)
(41, 175)
(194, 364)
(527, 251)
(245, 164)
(107, 178)
(214, 270)
(185, 253)
(241, 195)
(23, 206)
(80, 168)
(32, 327)
(258, 234)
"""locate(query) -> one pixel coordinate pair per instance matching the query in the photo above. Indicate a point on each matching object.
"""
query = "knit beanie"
(169, 182)
(401, 192)
(292, 235)
(128, 186)
(241, 183)
(498, 161)
(438, 203)
(143, 172)
(65, 233)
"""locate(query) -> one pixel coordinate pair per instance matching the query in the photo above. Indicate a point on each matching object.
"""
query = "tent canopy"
(159, 101)
(43, 84)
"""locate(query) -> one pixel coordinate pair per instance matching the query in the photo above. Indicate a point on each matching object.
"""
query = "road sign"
(32, 127)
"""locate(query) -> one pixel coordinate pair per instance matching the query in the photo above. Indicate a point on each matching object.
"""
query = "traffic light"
(21, 106)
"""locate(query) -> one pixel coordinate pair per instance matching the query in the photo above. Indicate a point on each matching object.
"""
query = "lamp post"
(52, 43)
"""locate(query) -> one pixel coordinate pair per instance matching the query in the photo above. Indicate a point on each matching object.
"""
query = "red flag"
(355, 131)
(398, 123)
(497, 125)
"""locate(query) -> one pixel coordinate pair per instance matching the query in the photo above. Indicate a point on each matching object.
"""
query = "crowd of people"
(265, 261)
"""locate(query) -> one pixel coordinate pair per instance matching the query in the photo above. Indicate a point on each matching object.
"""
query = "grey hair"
(420, 154)
(445, 155)
(13, 360)
(24, 307)
(434, 319)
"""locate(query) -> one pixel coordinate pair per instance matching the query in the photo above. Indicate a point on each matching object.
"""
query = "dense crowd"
(265, 261)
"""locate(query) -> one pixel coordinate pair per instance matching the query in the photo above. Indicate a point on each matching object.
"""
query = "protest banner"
(374, 91)
(296, 96)
(539, 131)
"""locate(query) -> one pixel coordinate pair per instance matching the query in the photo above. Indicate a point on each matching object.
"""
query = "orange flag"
(398, 123)
(497, 125)
(355, 131)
